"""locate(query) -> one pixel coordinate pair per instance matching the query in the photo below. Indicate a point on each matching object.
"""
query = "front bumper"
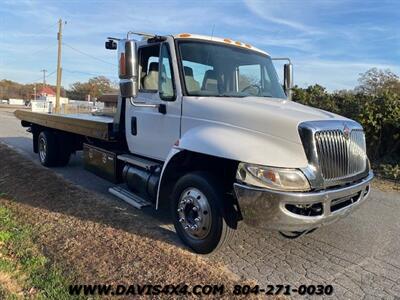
(279, 210)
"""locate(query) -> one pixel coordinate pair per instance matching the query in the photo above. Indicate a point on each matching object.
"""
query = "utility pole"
(59, 69)
(44, 76)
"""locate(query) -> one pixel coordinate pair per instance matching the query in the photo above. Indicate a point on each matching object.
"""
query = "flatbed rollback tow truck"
(204, 127)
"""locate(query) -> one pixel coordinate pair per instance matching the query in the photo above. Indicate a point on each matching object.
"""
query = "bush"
(380, 118)
(389, 171)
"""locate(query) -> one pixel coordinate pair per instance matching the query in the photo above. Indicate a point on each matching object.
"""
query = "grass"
(24, 271)
(92, 239)
(386, 185)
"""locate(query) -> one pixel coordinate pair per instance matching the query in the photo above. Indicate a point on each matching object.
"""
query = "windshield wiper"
(220, 95)
(230, 95)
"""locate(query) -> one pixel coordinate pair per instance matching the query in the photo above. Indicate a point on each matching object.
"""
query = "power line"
(51, 73)
(46, 29)
(41, 77)
(43, 30)
(42, 49)
(86, 73)
(89, 55)
(31, 55)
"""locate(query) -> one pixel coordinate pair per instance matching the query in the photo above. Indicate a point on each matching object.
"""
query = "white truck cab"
(205, 128)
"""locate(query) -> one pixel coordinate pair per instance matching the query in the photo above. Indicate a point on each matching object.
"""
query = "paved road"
(359, 255)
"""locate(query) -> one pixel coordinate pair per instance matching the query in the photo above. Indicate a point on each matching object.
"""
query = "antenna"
(212, 31)
(212, 35)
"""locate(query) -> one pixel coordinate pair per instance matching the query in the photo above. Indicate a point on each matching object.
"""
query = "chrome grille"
(340, 156)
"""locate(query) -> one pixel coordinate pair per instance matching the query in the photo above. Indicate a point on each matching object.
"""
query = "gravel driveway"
(359, 255)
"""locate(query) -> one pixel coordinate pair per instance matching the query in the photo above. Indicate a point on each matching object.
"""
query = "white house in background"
(41, 106)
(47, 94)
(44, 92)
(46, 100)
(12, 101)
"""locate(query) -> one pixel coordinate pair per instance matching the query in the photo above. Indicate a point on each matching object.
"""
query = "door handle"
(133, 126)
(142, 104)
(162, 108)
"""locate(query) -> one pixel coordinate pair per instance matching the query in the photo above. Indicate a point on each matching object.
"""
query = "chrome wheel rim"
(194, 213)
(42, 149)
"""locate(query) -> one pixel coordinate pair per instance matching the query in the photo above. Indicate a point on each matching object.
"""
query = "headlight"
(273, 178)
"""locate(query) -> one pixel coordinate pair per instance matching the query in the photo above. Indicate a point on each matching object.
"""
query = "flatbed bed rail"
(99, 127)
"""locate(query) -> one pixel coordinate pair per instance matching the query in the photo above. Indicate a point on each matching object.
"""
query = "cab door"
(152, 131)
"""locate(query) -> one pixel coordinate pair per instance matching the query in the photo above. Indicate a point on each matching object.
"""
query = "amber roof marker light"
(224, 40)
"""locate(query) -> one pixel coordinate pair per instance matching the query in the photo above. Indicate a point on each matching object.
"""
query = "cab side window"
(166, 82)
(148, 68)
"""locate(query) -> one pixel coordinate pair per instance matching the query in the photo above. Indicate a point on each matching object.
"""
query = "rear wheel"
(47, 149)
(52, 152)
(64, 152)
(63, 158)
(197, 218)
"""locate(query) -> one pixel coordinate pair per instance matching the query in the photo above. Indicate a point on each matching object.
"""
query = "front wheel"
(197, 218)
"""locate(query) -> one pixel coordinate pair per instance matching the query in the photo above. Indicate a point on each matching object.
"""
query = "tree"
(78, 91)
(10, 89)
(375, 81)
(315, 95)
(95, 87)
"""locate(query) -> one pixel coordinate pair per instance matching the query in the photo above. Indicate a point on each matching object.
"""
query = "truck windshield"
(212, 69)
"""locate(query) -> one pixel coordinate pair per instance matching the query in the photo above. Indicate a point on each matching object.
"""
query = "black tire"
(218, 232)
(47, 149)
(56, 153)
(64, 153)
(63, 158)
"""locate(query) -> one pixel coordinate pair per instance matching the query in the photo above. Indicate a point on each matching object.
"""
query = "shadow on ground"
(33, 185)
(94, 239)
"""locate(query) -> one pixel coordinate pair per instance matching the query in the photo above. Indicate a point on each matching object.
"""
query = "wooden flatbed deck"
(100, 127)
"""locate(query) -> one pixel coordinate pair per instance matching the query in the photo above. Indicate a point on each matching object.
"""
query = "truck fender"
(171, 154)
(231, 213)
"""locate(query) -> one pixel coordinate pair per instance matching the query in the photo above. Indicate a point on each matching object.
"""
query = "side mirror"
(128, 68)
(111, 45)
(288, 79)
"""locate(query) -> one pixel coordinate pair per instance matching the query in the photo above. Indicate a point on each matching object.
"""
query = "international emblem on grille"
(346, 132)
